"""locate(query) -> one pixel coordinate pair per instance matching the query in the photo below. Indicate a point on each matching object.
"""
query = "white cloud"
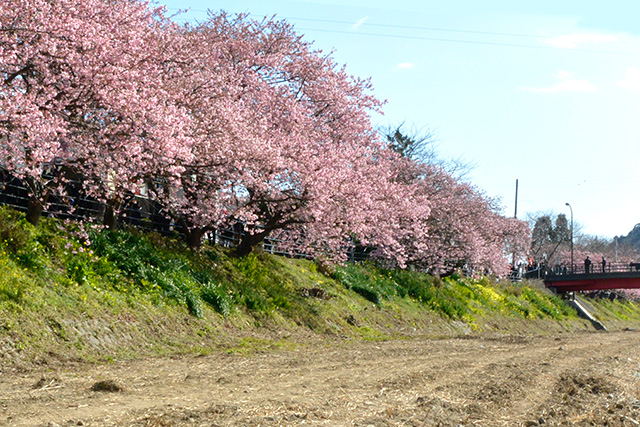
(574, 41)
(563, 75)
(631, 79)
(357, 25)
(566, 83)
(404, 65)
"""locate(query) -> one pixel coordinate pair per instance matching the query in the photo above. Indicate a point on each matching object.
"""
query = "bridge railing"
(596, 267)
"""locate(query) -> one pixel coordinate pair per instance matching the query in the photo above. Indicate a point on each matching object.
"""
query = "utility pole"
(515, 213)
(572, 237)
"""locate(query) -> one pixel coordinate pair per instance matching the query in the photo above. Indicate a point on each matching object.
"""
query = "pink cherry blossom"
(225, 122)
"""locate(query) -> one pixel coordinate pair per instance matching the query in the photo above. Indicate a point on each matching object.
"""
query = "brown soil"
(579, 379)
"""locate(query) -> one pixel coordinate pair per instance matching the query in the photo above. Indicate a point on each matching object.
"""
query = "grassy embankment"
(67, 293)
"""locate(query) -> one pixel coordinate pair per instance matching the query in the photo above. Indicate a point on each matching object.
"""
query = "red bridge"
(615, 276)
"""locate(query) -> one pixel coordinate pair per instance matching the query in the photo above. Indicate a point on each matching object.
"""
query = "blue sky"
(546, 92)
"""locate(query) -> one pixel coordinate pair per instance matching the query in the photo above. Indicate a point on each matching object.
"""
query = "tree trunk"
(34, 211)
(194, 237)
(249, 242)
(110, 217)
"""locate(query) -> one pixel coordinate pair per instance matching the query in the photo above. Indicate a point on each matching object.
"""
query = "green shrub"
(260, 285)
(367, 280)
(414, 284)
(15, 232)
(21, 240)
(194, 304)
(217, 297)
(367, 293)
(13, 289)
(548, 306)
(137, 264)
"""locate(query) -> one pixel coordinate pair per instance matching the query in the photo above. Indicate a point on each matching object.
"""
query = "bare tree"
(421, 145)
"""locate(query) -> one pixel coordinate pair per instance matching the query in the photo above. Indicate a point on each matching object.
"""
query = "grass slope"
(70, 291)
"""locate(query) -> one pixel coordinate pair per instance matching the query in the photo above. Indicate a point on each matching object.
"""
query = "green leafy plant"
(217, 297)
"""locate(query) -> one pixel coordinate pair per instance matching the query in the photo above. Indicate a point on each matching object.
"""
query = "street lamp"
(571, 236)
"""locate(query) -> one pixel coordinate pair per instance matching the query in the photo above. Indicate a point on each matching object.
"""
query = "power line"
(451, 30)
(436, 39)
(409, 27)
(467, 41)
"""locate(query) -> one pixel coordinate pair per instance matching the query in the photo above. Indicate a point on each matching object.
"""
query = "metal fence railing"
(140, 212)
(75, 205)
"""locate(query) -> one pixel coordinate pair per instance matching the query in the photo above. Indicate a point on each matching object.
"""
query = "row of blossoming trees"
(230, 121)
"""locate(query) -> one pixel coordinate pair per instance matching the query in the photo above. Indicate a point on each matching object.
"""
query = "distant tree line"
(551, 243)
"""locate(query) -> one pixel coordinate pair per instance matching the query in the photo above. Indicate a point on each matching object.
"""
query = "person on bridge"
(587, 265)
(604, 264)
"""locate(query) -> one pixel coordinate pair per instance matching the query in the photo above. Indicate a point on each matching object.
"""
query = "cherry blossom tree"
(80, 93)
(230, 121)
(465, 227)
(282, 140)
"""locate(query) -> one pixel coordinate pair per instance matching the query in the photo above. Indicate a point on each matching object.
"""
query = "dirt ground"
(579, 379)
